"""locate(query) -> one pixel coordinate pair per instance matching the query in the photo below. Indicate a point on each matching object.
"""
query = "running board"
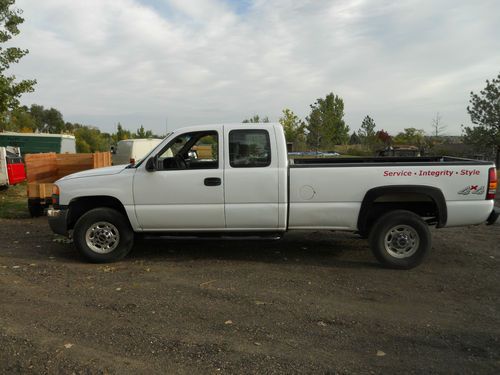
(200, 237)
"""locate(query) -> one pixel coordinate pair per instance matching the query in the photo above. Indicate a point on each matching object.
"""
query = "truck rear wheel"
(400, 239)
(103, 235)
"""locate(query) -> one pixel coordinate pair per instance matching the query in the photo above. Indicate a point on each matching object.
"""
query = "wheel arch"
(80, 205)
(401, 195)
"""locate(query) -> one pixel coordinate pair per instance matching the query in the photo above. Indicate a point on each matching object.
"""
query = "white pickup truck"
(246, 186)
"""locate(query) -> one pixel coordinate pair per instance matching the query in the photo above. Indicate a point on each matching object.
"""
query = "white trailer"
(4, 177)
(132, 150)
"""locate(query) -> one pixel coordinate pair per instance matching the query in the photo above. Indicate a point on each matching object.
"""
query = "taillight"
(492, 183)
(55, 195)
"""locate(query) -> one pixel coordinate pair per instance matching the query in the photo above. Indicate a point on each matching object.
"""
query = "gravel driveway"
(310, 303)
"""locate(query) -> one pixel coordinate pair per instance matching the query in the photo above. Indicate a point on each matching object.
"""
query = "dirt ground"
(310, 303)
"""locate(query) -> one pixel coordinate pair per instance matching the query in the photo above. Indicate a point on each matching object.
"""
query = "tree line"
(37, 119)
(325, 127)
(322, 129)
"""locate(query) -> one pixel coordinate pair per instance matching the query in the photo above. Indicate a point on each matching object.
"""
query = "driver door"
(186, 191)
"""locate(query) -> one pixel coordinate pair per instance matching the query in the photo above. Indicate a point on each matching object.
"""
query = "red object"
(492, 184)
(15, 171)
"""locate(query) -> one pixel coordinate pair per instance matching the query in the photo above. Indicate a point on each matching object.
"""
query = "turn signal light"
(55, 195)
(492, 183)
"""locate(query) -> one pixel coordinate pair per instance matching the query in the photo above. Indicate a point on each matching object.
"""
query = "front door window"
(196, 150)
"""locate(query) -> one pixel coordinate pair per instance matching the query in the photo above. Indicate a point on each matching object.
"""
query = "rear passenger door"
(251, 178)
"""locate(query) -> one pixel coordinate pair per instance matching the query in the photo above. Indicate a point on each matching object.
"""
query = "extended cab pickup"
(245, 185)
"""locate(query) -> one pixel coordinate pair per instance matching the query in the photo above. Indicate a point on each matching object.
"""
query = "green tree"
(411, 136)
(10, 90)
(90, 139)
(142, 133)
(294, 129)
(484, 111)
(21, 120)
(367, 131)
(53, 121)
(354, 139)
(47, 120)
(121, 134)
(37, 112)
(326, 124)
(255, 119)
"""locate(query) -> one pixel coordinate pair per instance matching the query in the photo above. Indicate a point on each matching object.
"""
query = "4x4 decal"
(472, 189)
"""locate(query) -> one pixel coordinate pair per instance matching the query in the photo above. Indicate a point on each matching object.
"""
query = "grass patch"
(14, 202)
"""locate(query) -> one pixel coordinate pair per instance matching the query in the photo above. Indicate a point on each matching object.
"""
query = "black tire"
(408, 239)
(36, 209)
(120, 245)
(362, 234)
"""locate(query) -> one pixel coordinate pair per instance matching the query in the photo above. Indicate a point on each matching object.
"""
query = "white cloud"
(206, 61)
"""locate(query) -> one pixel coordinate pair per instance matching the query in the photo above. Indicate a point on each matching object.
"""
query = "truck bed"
(330, 191)
(383, 160)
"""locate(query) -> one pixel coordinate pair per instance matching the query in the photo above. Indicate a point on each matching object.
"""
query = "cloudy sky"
(213, 61)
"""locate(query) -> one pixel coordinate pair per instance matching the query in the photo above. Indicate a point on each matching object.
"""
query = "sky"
(173, 63)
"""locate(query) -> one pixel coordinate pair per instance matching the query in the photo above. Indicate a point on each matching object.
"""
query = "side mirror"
(151, 164)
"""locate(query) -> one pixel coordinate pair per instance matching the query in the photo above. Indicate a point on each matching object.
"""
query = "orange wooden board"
(43, 169)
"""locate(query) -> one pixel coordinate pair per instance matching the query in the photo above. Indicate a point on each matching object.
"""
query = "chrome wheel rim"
(102, 237)
(401, 241)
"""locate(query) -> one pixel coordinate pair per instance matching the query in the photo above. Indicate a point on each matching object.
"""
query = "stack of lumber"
(204, 151)
(72, 163)
(43, 169)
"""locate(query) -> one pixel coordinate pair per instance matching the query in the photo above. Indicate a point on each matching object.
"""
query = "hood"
(106, 171)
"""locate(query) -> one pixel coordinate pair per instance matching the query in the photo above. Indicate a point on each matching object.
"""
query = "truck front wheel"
(400, 239)
(103, 235)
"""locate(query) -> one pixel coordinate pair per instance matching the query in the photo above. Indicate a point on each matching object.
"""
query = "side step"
(212, 237)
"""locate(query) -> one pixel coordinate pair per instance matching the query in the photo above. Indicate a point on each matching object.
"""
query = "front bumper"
(493, 216)
(57, 221)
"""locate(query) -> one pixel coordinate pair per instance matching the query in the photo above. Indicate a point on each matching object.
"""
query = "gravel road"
(310, 303)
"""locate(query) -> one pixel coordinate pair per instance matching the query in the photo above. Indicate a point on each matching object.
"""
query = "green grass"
(14, 202)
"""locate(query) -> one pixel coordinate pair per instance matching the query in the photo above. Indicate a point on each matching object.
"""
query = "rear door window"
(249, 148)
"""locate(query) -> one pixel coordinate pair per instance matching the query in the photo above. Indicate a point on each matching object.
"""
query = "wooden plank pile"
(204, 151)
(43, 169)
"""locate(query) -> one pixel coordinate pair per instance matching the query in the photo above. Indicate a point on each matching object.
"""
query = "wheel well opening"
(80, 206)
(419, 203)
